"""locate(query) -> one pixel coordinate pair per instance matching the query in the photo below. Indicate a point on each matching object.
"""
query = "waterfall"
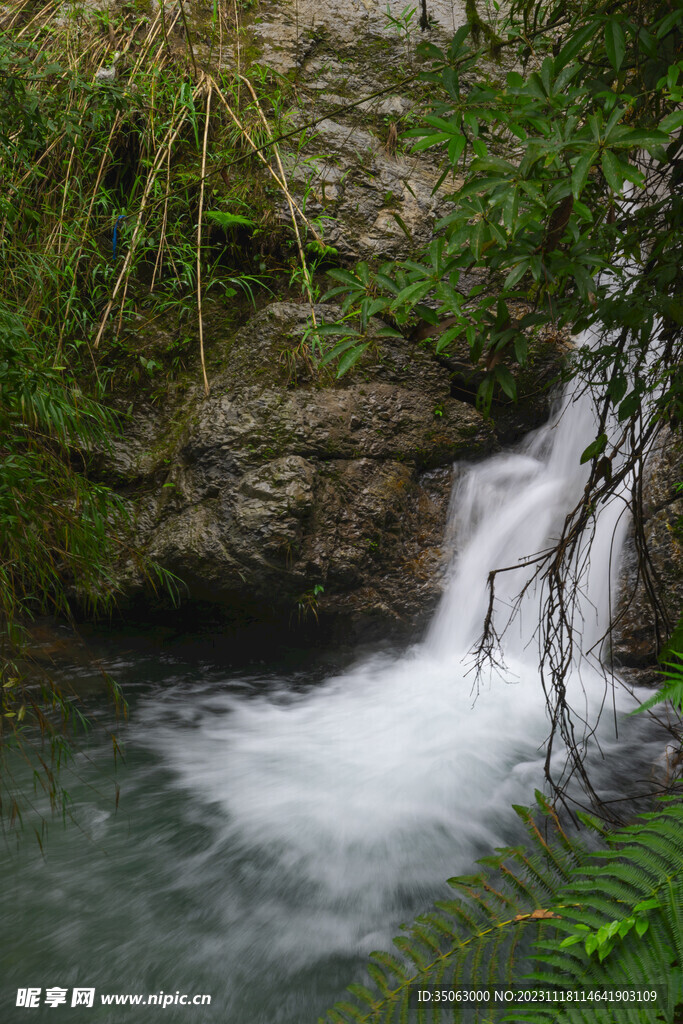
(346, 805)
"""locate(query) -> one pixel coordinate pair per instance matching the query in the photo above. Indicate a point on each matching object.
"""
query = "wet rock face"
(270, 490)
(357, 78)
(640, 633)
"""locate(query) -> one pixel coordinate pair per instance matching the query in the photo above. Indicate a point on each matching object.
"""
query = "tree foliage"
(549, 197)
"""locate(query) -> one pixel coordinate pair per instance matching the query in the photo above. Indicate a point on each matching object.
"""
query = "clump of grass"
(134, 182)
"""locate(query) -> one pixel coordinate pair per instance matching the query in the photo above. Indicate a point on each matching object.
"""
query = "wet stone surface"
(269, 489)
(375, 199)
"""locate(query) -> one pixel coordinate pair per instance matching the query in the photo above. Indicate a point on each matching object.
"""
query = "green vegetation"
(59, 536)
(552, 916)
(118, 209)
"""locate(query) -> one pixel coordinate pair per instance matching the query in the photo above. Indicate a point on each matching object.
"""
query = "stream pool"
(282, 814)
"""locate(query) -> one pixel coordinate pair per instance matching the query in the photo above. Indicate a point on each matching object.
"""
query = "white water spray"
(355, 800)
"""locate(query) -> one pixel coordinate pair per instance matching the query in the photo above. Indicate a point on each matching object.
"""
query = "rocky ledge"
(290, 491)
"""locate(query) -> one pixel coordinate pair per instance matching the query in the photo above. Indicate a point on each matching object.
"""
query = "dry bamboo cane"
(281, 184)
(28, 24)
(239, 51)
(302, 257)
(171, 136)
(199, 245)
(13, 18)
(159, 262)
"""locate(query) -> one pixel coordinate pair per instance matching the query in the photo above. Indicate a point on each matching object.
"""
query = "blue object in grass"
(116, 228)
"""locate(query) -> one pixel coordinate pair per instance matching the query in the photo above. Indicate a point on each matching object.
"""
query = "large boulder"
(292, 491)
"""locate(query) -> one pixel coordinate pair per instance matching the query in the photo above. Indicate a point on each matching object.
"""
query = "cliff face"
(288, 490)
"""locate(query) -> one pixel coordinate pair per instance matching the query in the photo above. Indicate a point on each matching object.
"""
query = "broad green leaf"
(510, 208)
(617, 388)
(521, 346)
(506, 381)
(388, 332)
(430, 51)
(345, 277)
(583, 210)
(451, 82)
(594, 449)
(630, 404)
(413, 293)
(451, 127)
(402, 224)
(386, 282)
(571, 940)
(430, 140)
(338, 350)
(641, 139)
(612, 169)
(669, 21)
(478, 237)
(516, 275)
(331, 330)
(350, 358)
(575, 44)
(580, 172)
(376, 305)
(456, 147)
(672, 121)
(615, 43)
(427, 314)
(485, 392)
(229, 220)
(448, 336)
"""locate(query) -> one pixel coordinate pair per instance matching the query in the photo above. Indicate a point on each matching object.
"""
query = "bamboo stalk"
(239, 50)
(65, 190)
(28, 24)
(257, 152)
(159, 262)
(187, 36)
(171, 135)
(302, 257)
(199, 244)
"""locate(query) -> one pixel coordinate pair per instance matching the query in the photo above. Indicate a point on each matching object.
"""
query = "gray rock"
(639, 633)
(266, 491)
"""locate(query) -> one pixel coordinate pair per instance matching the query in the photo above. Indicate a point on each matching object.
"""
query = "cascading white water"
(350, 802)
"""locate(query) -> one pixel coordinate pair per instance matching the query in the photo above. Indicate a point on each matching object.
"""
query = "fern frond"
(482, 937)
